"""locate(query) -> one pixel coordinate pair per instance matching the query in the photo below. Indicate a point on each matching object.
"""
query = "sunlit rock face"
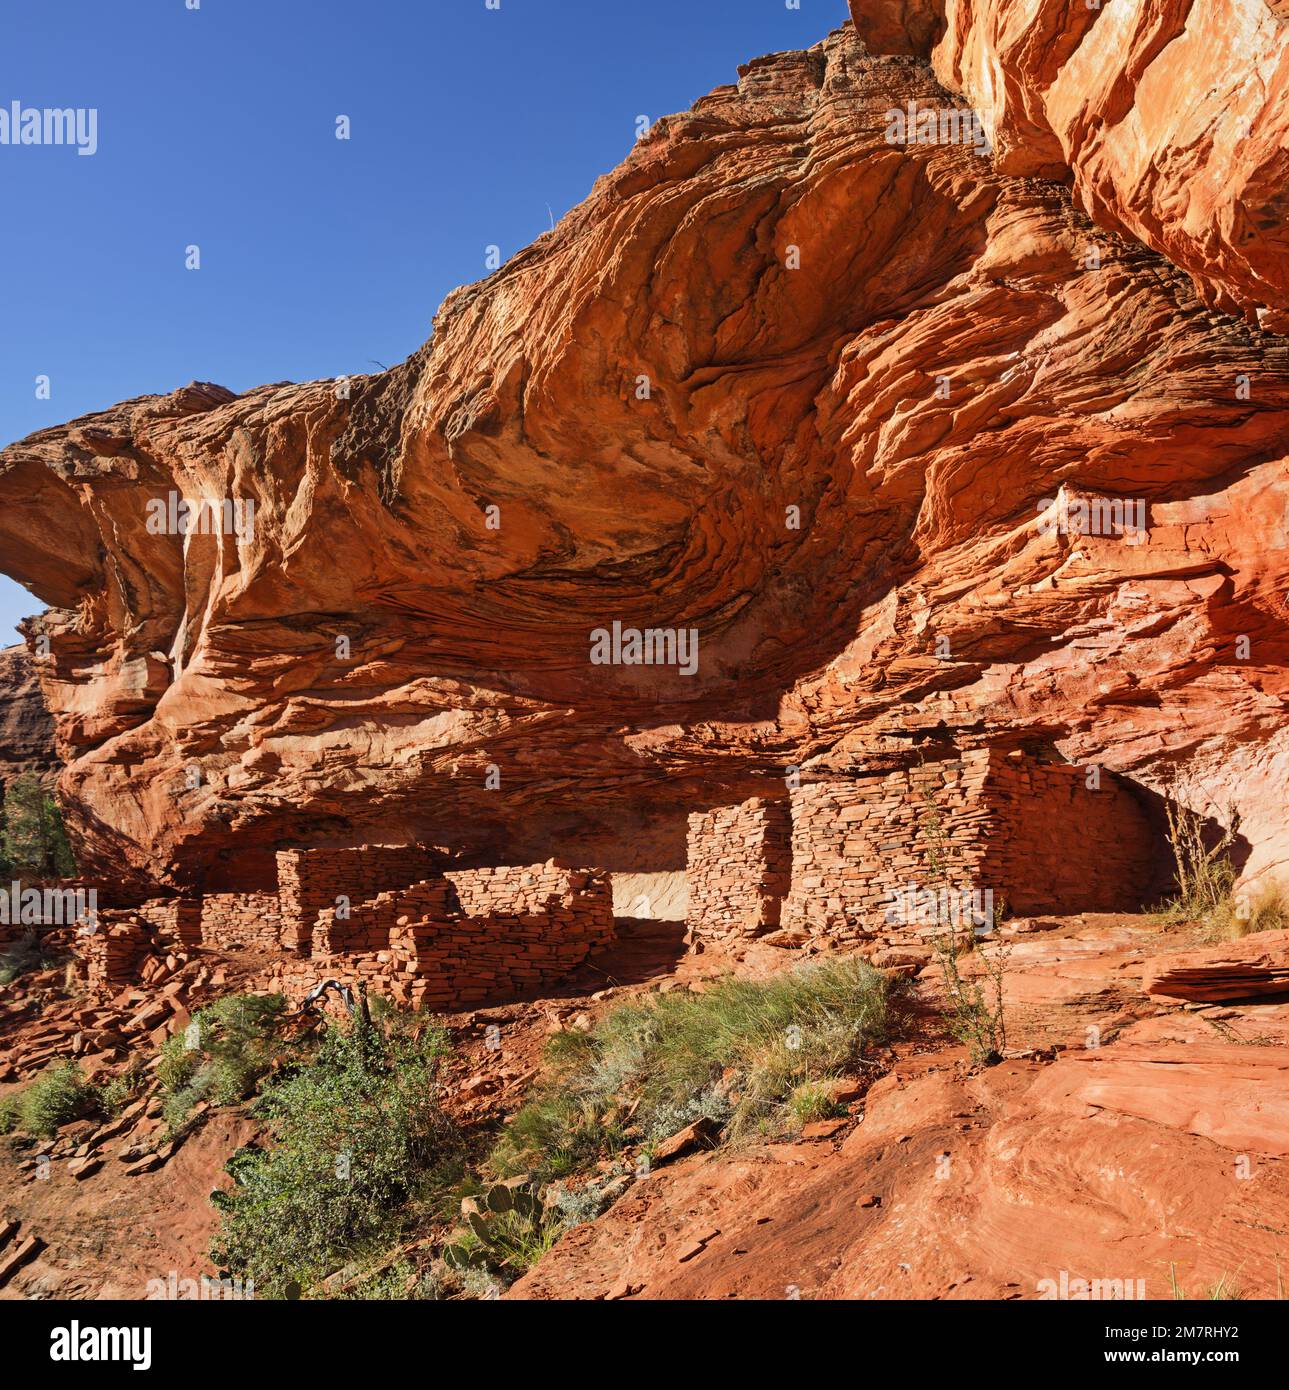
(1169, 120)
(837, 408)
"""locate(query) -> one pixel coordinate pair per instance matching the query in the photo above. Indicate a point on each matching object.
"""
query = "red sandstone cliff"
(867, 367)
(1168, 119)
(26, 730)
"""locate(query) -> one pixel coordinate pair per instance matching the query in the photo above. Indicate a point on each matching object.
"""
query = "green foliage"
(1205, 876)
(508, 1236)
(226, 1049)
(116, 1094)
(976, 1001)
(57, 1096)
(736, 1054)
(34, 841)
(811, 1101)
(395, 1283)
(359, 1145)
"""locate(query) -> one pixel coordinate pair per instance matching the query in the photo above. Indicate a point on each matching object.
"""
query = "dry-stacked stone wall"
(241, 919)
(739, 868)
(367, 926)
(893, 859)
(468, 937)
(311, 880)
(866, 850)
(1061, 843)
(175, 919)
(111, 955)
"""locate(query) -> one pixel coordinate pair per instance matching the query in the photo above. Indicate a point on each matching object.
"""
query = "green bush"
(116, 1094)
(738, 1054)
(33, 840)
(57, 1096)
(226, 1049)
(358, 1144)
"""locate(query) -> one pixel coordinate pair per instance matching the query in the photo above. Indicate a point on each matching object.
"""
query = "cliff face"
(835, 405)
(26, 730)
(1169, 120)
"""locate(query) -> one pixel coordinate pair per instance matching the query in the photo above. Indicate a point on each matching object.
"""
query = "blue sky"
(216, 128)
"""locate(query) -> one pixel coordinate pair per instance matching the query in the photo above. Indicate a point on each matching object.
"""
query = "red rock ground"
(1125, 1137)
(1122, 1160)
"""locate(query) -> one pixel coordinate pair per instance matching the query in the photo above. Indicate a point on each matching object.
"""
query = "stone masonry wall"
(859, 845)
(112, 954)
(443, 941)
(1060, 843)
(469, 937)
(310, 880)
(739, 868)
(888, 859)
(179, 919)
(241, 919)
(370, 924)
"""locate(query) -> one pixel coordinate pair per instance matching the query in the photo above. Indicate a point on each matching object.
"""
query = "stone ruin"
(439, 939)
(878, 860)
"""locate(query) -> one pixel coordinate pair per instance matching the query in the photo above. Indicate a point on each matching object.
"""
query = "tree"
(34, 840)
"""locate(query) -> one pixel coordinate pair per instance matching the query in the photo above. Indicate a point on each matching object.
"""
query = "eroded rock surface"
(777, 381)
(26, 730)
(1126, 1157)
(1169, 119)
(1254, 965)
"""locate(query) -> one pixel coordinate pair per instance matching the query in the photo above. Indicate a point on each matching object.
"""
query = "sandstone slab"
(1254, 965)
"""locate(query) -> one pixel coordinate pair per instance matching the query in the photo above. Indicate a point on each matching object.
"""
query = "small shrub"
(1202, 865)
(57, 1096)
(508, 1235)
(399, 1282)
(977, 1016)
(1206, 877)
(358, 1145)
(811, 1101)
(117, 1093)
(737, 1054)
(583, 1204)
(225, 1051)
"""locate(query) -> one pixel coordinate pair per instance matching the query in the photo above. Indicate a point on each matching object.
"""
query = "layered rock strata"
(906, 443)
